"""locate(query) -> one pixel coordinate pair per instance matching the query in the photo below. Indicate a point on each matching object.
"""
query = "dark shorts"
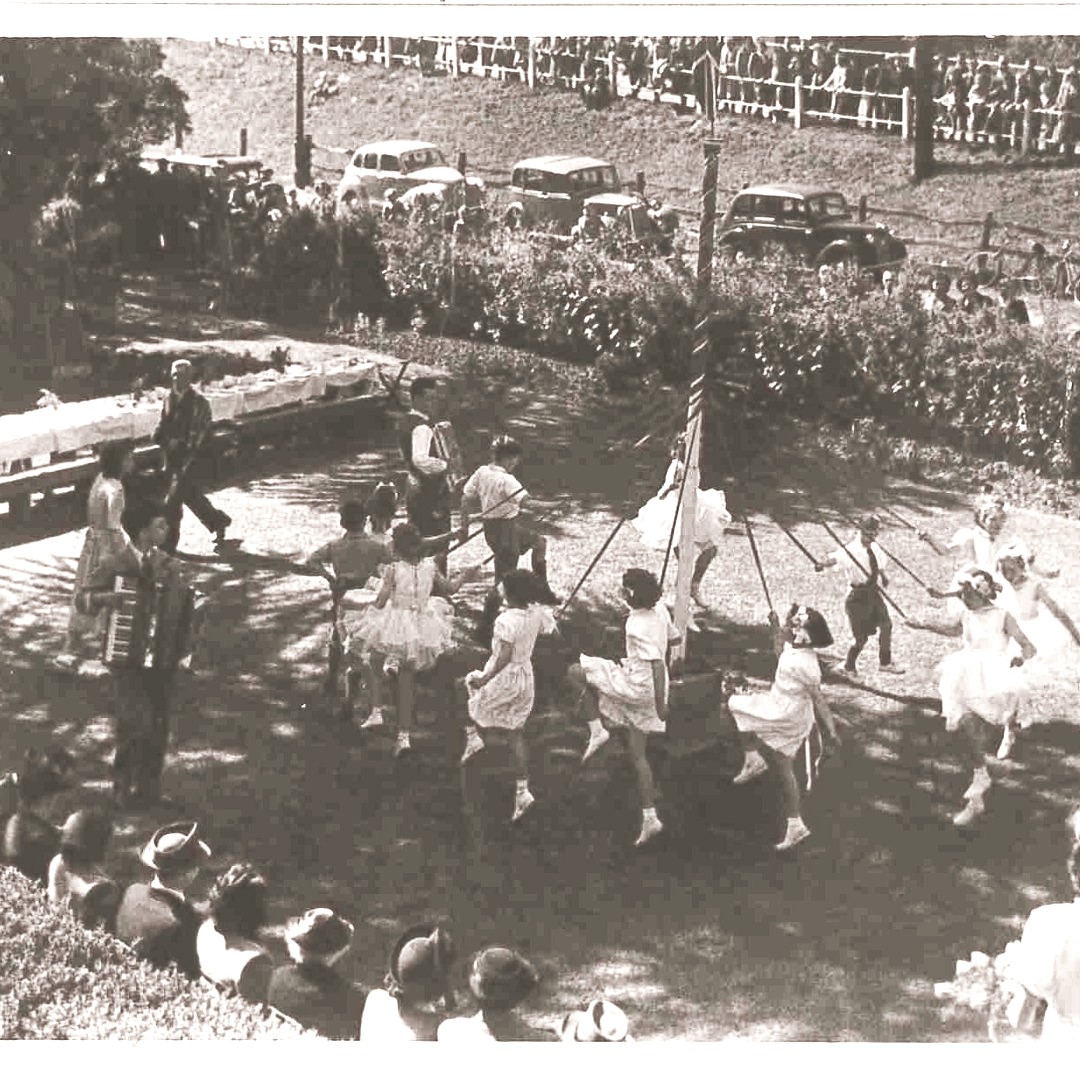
(866, 610)
(508, 540)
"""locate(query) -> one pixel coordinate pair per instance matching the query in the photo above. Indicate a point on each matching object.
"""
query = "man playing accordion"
(434, 477)
(148, 634)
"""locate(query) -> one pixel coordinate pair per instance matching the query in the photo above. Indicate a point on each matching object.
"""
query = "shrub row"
(780, 346)
(59, 980)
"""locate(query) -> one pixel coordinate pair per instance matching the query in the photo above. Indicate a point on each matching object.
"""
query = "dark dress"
(160, 927)
(316, 996)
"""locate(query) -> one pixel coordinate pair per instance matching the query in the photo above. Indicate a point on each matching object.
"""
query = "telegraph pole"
(301, 152)
(696, 403)
(923, 164)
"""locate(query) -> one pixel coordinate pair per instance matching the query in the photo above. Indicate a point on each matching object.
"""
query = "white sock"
(648, 813)
(595, 727)
(523, 787)
(794, 822)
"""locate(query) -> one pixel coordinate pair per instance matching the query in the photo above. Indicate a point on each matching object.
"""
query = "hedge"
(780, 345)
(59, 980)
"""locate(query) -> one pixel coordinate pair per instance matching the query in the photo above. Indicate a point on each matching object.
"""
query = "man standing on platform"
(181, 432)
(429, 497)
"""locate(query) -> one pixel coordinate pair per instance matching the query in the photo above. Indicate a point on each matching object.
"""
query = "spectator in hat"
(939, 298)
(972, 302)
(309, 989)
(599, 1021)
(500, 979)
(181, 434)
(157, 920)
(75, 875)
(405, 1011)
(229, 952)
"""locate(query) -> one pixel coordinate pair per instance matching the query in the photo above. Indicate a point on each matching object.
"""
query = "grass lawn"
(708, 934)
(498, 123)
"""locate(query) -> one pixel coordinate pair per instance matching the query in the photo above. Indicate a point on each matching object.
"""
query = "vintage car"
(628, 224)
(397, 165)
(549, 192)
(811, 224)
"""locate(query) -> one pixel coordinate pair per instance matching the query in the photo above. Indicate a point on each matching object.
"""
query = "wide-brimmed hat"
(599, 1021)
(421, 959)
(869, 524)
(501, 978)
(175, 847)
(319, 931)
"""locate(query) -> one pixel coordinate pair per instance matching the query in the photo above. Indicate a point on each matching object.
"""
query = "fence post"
(179, 135)
(905, 113)
(266, 46)
(386, 51)
(455, 67)
(639, 183)
(243, 142)
(462, 162)
(862, 208)
(797, 112)
(530, 74)
(613, 73)
(987, 229)
(1027, 131)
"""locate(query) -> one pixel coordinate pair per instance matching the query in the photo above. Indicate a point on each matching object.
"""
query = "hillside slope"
(496, 123)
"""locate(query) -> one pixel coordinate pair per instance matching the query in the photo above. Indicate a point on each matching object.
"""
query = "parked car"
(398, 165)
(812, 224)
(550, 191)
(627, 224)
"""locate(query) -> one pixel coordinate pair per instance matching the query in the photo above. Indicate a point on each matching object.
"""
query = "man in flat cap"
(181, 432)
(157, 920)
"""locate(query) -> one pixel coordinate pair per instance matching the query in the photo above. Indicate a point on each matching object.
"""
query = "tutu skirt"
(980, 681)
(417, 638)
(507, 701)
(625, 690)
(653, 523)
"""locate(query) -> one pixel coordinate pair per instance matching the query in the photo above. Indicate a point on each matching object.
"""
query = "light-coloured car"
(549, 192)
(396, 165)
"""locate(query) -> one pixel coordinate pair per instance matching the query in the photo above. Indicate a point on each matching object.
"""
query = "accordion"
(447, 445)
(150, 627)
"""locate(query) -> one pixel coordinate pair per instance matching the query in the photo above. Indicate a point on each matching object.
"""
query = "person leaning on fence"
(157, 920)
(308, 989)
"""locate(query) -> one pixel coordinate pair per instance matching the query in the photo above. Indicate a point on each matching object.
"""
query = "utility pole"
(923, 164)
(696, 403)
(301, 151)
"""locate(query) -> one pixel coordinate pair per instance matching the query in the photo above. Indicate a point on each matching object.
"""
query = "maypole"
(698, 359)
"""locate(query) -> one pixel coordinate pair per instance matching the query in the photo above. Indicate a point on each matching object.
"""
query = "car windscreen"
(828, 206)
(421, 159)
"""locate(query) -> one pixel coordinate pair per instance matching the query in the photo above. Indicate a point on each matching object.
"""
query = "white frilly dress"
(783, 715)
(978, 678)
(507, 700)
(654, 520)
(413, 627)
(625, 687)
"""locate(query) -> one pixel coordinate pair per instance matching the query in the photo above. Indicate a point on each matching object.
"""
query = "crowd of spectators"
(226, 939)
(975, 99)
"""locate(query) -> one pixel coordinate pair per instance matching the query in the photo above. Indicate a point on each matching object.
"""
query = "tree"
(71, 110)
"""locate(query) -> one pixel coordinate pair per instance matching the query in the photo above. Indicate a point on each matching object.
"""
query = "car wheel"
(514, 219)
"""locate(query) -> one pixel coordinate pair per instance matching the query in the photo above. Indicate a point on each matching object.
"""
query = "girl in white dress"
(501, 696)
(980, 685)
(1044, 622)
(407, 627)
(631, 693)
(104, 538)
(773, 725)
(654, 520)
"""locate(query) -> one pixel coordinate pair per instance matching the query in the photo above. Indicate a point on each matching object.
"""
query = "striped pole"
(696, 403)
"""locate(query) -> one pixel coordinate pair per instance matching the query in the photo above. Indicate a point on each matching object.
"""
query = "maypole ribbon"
(797, 542)
(862, 569)
(678, 501)
(589, 569)
(757, 562)
(481, 517)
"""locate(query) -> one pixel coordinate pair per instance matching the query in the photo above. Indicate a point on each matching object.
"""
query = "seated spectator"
(939, 298)
(589, 226)
(418, 978)
(1014, 308)
(309, 989)
(599, 1021)
(500, 980)
(229, 952)
(157, 920)
(27, 841)
(75, 875)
